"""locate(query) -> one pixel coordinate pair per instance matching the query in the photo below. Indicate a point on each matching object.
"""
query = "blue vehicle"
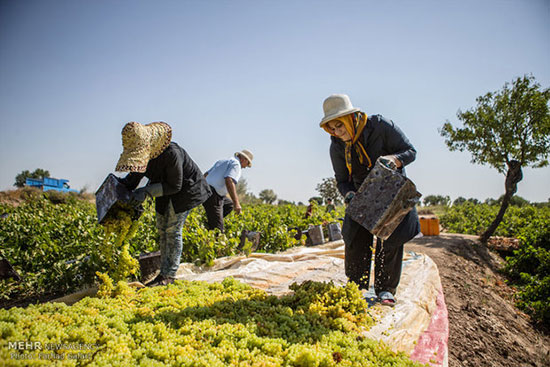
(48, 183)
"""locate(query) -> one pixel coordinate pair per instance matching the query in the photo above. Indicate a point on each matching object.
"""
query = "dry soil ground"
(485, 329)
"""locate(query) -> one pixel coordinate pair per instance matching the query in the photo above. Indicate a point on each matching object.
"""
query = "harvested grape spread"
(200, 324)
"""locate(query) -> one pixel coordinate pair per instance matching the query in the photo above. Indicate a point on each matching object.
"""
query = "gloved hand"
(138, 196)
(349, 196)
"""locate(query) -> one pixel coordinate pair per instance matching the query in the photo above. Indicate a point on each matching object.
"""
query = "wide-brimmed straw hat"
(247, 154)
(335, 106)
(142, 143)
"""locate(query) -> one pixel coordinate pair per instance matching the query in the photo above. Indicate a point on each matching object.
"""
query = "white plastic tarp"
(417, 324)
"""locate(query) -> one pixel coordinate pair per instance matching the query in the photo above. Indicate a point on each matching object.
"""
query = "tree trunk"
(513, 176)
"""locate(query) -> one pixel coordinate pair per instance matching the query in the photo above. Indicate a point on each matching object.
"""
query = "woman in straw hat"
(174, 180)
(357, 141)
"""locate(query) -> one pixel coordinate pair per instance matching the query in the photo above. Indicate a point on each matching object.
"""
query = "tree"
(21, 178)
(508, 129)
(268, 196)
(245, 197)
(328, 189)
(491, 201)
(241, 188)
(459, 201)
(517, 200)
(437, 200)
(284, 202)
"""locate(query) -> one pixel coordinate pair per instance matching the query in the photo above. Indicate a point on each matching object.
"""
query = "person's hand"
(238, 209)
(138, 196)
(391, 161)
(350, 195)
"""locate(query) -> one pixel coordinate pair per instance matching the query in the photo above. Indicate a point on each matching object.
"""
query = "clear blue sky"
(229, 75)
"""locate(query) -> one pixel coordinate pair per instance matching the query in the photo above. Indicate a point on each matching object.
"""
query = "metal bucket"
(7, 271)
(113, 196)
(334, 231)
(251, 236)
(383, 200)
(149, 265)
(316, 235)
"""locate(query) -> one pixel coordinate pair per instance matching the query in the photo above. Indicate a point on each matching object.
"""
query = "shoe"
(386, 299)
(161, 280)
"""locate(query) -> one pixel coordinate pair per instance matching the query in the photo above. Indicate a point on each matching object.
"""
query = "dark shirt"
(182, 181)
(380, 137)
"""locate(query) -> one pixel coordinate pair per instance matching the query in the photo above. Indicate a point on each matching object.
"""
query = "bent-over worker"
(175, 181)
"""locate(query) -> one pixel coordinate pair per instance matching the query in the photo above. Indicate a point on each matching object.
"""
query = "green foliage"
(521, 222)
(268, 196)
(57, 247)
(511, 124)
(529, 267)
(202, 324)
(460, 200)
(437, 200)
(60, 247)
(202, 246)
(21, 178)
(246, 197)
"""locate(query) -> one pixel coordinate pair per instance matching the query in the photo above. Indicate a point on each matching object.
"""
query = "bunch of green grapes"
(117, 253)
(202, 324)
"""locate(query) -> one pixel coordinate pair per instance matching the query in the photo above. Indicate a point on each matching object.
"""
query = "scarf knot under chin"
(354, 124)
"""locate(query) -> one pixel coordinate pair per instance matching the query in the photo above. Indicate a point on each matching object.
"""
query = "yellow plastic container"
(429, 226)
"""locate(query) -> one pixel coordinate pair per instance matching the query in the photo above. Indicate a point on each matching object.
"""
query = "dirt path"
(485, 329)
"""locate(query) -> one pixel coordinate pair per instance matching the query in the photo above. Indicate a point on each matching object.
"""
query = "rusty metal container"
(384, 198)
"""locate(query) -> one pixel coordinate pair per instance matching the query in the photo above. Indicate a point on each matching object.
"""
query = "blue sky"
(229, 75)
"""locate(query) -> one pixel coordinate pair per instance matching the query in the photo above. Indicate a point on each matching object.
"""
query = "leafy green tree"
(241, 188)
(507, 130)
(437, 200)
(245, 196)
(459, 200)
(284, 202)
(329, 190)
(516, 200)
(21, 178)
(268, 196)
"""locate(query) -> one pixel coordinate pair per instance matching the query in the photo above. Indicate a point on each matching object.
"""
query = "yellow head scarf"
(354, 124)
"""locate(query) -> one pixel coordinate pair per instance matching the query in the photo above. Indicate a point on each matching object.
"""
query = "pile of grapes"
(198, 324)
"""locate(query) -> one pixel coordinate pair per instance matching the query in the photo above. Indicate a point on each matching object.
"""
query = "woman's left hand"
(394, 160)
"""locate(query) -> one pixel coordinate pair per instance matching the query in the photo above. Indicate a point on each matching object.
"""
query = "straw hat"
(142, 143)
(335, 106)
(246, 154)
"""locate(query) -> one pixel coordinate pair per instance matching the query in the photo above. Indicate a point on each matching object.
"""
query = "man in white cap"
(223, 178)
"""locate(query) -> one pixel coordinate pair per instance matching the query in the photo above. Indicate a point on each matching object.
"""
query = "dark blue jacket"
(379, 137)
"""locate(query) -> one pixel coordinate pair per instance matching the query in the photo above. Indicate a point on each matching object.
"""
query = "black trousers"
(389, 253)
(217, 207)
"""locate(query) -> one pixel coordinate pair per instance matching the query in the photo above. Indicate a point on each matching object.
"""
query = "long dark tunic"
(182, 181)
(380, 137)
